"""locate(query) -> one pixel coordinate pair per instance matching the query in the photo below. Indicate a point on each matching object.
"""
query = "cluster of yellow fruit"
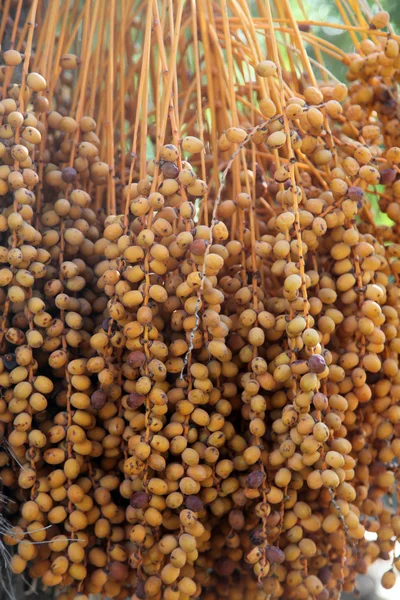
(199, 351)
